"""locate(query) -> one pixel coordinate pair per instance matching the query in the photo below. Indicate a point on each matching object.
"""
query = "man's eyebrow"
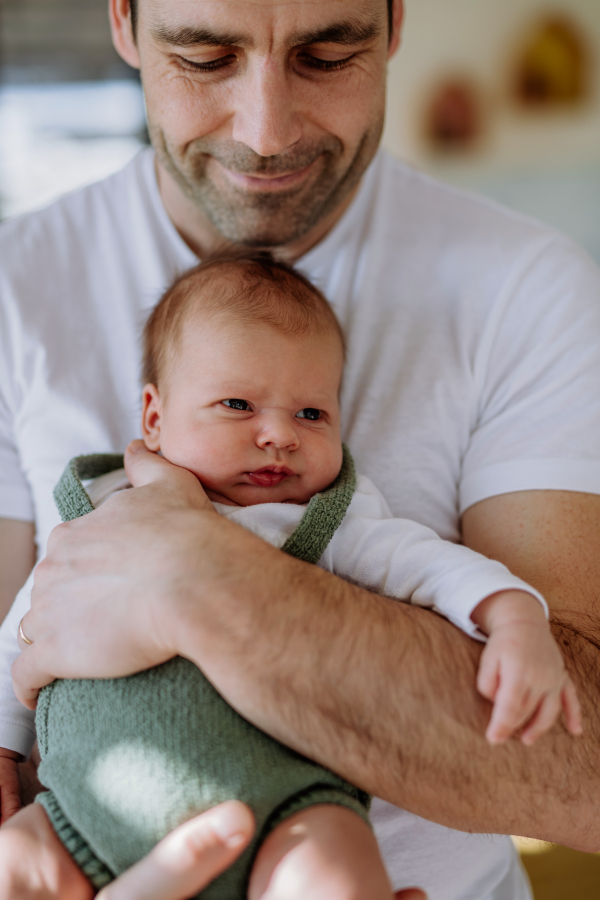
(350, 32)
(189, 36)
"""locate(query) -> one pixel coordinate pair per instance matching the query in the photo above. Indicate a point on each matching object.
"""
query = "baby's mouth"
(269, 476)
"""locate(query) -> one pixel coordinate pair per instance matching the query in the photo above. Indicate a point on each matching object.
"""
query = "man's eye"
(236, 404)
(309, 413)
(324, 65)
(210, 66)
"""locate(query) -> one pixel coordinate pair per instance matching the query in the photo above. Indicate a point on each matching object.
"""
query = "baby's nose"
(278, 431)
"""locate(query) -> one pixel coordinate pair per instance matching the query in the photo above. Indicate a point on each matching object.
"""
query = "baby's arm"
(522, 670)
(17, 729)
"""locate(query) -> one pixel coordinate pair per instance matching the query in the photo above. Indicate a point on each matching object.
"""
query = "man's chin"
(263, 220)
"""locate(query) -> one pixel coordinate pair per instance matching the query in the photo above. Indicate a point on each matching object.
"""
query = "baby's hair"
(246, 285)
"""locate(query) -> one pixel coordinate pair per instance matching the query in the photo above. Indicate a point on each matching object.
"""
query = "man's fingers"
(410, 894)
(543, 719)
(144, 467)
(27, 678)
(572, 708)
(10, 800)
(187, 859)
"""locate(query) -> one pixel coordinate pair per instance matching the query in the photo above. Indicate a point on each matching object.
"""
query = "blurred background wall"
(71, 112)
(539, 153)
(501, 98)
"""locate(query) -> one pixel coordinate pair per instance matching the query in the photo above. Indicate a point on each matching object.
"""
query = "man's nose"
(265, 119)
(277, 431)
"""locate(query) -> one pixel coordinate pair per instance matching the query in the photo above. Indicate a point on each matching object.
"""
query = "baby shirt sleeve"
(17, 724)
(536, 413)
(407, 561)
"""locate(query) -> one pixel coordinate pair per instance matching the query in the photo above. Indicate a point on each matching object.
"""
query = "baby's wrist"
(508, 607)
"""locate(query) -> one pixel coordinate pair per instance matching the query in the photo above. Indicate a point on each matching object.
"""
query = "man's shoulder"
(461, 243)
(422, 203)
(78, 214)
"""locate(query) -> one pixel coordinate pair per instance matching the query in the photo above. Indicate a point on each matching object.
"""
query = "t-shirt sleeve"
(408, 561)
(537, 379)
(15, 495)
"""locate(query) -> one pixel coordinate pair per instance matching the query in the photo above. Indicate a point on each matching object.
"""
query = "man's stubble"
(267, 219)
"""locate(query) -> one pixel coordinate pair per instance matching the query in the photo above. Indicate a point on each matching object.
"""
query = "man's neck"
(202, 237)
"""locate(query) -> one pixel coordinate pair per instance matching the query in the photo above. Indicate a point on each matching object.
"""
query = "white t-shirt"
(473, 369)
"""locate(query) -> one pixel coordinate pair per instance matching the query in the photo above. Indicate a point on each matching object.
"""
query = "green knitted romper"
(127, 760)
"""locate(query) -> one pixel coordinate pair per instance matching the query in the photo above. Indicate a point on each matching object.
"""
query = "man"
(471, 391)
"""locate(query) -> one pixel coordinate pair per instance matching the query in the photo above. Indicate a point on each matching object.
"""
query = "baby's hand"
(10, 785)
(522, 671)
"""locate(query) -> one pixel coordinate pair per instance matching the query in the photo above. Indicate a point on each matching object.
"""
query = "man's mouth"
(270, 476)
(261, 182)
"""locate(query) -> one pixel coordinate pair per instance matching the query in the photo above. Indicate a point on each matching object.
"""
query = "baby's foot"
(34, 865)
(326, 853)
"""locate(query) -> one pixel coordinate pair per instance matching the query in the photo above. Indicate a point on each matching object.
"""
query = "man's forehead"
(246, 22)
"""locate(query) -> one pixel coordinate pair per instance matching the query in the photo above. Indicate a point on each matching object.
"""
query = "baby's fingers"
(544, 718)
(513, 707)
(571, 708)
(488, 676)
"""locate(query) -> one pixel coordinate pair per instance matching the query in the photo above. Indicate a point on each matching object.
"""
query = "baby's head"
(243, 359)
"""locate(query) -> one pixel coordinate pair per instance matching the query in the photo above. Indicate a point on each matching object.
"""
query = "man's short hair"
(134, 12)
(248, 286)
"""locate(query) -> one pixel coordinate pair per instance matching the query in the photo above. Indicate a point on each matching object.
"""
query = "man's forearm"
(381, 692)
(384, 694)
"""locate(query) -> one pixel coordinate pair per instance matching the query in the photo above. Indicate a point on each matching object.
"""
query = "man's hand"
(99, 607)
(10, 784)
(34, 865)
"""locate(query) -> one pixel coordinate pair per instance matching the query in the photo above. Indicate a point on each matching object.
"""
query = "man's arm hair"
(384, 693)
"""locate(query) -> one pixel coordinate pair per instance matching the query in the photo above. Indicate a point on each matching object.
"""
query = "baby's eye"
(309, 413)
(236, 404)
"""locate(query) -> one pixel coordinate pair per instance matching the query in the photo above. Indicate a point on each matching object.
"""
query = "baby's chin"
(254, 495)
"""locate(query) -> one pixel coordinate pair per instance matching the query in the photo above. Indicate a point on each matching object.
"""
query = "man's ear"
(151, 417)
(119, 12)
(397, 20)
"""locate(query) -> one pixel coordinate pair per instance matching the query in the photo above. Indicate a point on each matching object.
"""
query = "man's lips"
(269, 476)
(265, 182)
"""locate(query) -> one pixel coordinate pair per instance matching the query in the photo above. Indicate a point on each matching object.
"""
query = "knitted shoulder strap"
(323, 515)
(308, 542)
(70, 495)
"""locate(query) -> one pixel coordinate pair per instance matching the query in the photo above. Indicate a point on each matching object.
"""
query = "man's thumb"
(144, 467)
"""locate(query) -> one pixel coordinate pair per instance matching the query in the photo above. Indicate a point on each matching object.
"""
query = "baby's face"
(251, 411)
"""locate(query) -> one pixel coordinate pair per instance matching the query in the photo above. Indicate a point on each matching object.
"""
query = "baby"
(243, 363)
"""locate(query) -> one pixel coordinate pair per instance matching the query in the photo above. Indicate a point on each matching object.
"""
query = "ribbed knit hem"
(90, 865)
(314, 796)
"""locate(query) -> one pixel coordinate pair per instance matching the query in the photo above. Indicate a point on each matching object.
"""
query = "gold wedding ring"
(22, 633)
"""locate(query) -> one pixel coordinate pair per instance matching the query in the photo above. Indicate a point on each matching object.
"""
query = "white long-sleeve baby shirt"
(395, 557)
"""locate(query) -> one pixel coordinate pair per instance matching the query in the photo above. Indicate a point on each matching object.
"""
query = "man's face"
(265, 113)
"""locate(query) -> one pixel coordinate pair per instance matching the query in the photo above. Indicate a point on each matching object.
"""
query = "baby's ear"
(151, 417)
